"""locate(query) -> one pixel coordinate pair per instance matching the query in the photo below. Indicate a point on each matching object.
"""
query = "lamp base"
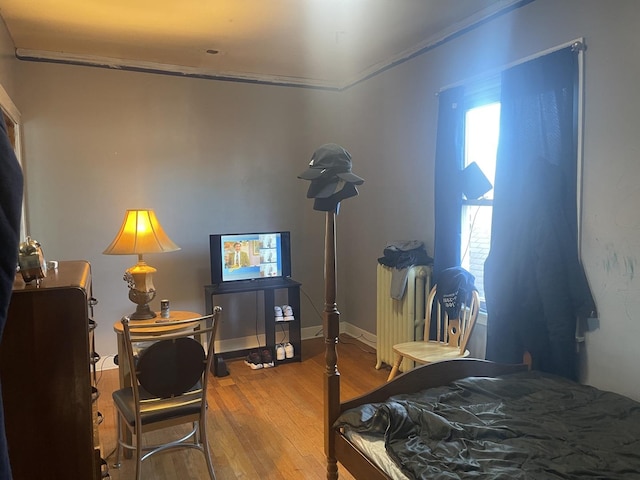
(143, 312)
(142, 299)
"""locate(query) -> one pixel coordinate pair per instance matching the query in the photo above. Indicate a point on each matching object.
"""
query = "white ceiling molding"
(304, 74)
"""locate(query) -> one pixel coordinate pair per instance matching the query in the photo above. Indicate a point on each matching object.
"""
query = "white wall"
(7, 62)
(209, 157)
(100, 141)
(397, 147)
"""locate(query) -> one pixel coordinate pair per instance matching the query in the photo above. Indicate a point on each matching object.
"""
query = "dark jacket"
(10, 212)
(455, 286)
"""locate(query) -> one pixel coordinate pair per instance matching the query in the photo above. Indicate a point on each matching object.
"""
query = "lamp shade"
(140, 233)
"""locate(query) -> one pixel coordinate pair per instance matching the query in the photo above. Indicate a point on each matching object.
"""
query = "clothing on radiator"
(400, 255)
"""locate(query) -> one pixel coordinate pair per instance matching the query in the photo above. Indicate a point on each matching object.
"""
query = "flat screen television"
(249, 256)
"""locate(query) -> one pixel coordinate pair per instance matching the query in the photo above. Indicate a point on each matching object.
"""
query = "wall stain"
(624, 265)
(630, 266)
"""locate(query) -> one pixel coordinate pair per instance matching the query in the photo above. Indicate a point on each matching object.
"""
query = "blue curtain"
(535, 286)
(448, 196)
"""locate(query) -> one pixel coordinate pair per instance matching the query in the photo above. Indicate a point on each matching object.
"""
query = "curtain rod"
(577, 45)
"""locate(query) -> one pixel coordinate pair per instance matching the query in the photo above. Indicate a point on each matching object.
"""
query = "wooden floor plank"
(262, 424)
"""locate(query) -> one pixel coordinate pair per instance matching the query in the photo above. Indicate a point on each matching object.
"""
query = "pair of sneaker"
(262, 359)
(284, 313)
(284, 350)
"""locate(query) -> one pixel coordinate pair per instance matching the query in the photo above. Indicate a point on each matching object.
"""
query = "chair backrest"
(170, 359)
(451, 331)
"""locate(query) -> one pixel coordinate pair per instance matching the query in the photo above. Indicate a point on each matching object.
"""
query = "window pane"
(481, 139)
(476, 238)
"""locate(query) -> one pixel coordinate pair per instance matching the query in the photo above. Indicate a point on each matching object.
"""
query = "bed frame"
(336, 446)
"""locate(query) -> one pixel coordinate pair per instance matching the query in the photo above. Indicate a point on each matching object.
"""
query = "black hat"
(321, 188)
(330, 161)
(327, 204)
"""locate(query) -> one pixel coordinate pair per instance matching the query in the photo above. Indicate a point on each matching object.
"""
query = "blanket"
(524, 426)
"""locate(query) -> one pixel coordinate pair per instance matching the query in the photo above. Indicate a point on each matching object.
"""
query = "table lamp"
(140, 233)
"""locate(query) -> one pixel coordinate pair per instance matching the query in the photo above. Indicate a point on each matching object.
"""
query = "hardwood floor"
(262, 424)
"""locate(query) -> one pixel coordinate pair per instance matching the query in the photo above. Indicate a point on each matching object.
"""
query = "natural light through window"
(482, 127)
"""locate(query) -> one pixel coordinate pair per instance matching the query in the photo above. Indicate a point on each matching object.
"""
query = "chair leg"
(204, 443)
(207, 456)
(138, 436)
(118, 443)
(395, 368)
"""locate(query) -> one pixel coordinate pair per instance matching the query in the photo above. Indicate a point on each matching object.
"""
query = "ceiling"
(316, 43)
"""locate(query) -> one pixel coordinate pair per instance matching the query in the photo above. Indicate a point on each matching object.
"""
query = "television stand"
(268, 288)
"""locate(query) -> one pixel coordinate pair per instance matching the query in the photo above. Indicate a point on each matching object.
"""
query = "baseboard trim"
(248, 343)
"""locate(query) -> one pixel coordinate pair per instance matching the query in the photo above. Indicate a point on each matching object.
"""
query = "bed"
(469, 418)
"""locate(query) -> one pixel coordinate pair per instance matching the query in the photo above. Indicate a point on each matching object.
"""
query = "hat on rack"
(331, 177)
(328, 162)
(325, 188)
(326, 204)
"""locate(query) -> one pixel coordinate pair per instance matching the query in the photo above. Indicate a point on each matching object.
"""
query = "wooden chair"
(452, 335)
(168, 384)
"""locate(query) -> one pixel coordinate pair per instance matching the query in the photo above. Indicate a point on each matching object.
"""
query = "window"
(482, 128)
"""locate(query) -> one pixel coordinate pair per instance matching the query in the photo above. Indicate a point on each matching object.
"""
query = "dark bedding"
(522, 426)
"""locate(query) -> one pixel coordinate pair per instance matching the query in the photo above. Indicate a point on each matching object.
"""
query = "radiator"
(400, 320)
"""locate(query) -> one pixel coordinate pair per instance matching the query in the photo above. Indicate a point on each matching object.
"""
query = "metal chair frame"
(153, 412)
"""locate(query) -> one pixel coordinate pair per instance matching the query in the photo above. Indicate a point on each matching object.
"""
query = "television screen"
(249, 256)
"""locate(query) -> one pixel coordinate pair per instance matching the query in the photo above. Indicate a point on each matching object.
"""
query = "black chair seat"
(168, 409)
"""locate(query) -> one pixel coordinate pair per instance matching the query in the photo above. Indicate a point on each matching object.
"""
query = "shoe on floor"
(254, 361)
(280, 355)
(267, 359)
(288, 350)
(278, 313)
(288, 313)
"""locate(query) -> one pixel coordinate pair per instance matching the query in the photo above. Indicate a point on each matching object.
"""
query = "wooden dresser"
(46, 373)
